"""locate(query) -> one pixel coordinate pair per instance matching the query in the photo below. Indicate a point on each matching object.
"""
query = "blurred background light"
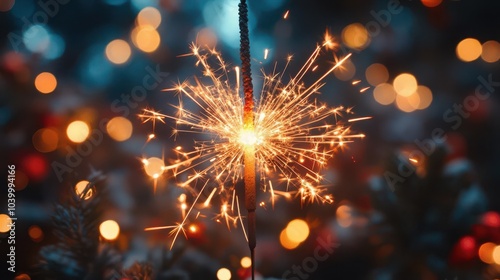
(119, 128)
(77, 131)
(80, 188)
(490, 51)
(286, 242)
(56, 47)
(45, 140)
(154, 166)
(346, 72)
(376, 74)
(245, 262)
(118, 51)
(149, 16)
(35, 233)
(355, 36)
(405, 84)
(141, 4)
(4, 223)
(431, 3)
(384, 94)
(6, 5)
(223, 274)
(45, 82)
(145, 38)
(109, 229)
(297, 231)
(485, 252)
(468, 49)
(425, 97)
(36, 38)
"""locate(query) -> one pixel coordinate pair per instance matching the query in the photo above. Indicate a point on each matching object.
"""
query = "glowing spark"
(364, 89)
(285, 16)
(292, 137)
(359, 119)
(266, 52)
(356, 82)
(413, 160)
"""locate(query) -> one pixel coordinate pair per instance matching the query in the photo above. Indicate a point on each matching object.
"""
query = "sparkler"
(286, 139)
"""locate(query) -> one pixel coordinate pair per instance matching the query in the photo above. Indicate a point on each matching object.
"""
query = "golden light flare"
(80, 190)
(485, 252)
(293, 136)
(223, 274)
(77, 131)
(384, 94)
(356, 36)
(118, 51)
(109, 229)
(469, 49)
(119, 128)
(149, 16)
(405, 84)
(297, 231)
(4, 223)
(146, 38)
(245, 262)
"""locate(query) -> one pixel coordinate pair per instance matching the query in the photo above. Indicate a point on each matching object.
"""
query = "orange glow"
(45, 82)
(486, 252)
(431, 3)
(80, 187)
(149, 16)
(36, 233)
(246, 262)
(286, 242)
(119, 128)
(297, 231)
(496, 254)
(118, 51)
(490, 51)
(384, 94)
(425, 97)
(109, 229)
(77, 131)
(376, 74)
(4, 223)
(405, 84)
(154, 167)
(355, 36)
(468, 49)
(344, 216)
(408, 104)
(146, 38)
(45, 140)
(223, 274)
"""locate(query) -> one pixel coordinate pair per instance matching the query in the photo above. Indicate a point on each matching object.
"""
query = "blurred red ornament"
(35, 166)
(464, 251)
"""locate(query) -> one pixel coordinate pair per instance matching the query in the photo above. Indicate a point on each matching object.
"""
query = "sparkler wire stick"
(248, 126)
